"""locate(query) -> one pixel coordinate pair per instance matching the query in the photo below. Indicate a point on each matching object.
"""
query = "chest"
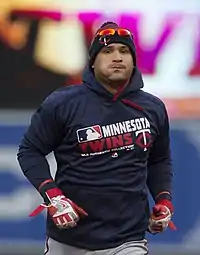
(111, 128)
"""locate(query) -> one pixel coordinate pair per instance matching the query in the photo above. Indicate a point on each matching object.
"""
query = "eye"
(125, 50)
(107, 50)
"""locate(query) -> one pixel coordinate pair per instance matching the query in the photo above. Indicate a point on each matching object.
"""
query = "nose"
(117, 56)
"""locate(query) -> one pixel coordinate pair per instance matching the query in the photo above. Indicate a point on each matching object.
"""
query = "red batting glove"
(63, 211)
(161, 216)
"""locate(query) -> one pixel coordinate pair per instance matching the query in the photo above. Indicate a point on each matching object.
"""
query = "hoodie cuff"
(46, 185)
(163, 195)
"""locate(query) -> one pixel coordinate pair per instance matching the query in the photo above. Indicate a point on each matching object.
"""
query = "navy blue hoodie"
(110, 151)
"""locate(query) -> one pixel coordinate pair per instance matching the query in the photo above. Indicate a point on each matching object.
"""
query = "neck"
(113, 87)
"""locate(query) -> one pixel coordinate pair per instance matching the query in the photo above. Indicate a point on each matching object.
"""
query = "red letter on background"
(195, 70)
(148, 54)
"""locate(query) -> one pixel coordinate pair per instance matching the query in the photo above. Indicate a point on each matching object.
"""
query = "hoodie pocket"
(112, 210)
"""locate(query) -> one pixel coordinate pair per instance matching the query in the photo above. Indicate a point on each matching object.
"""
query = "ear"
(93, 66)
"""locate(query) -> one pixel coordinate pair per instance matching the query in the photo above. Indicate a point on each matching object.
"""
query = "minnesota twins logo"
(143, 138)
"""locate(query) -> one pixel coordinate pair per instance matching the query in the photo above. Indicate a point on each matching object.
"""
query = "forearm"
(159, 180)
(34, 165)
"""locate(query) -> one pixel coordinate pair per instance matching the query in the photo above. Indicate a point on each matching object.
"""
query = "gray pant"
(131, 248)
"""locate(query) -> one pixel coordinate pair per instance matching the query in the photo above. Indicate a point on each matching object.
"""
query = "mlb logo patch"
(89, 134)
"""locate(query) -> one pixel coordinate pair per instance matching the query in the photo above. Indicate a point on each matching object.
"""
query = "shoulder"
(155, 107)
(153, 101)
(64, 95)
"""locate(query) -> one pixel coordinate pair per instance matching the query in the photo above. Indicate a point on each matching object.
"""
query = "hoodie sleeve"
(42, 136)
(160, 174)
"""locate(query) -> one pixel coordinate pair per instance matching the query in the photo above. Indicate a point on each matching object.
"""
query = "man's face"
(114, 63)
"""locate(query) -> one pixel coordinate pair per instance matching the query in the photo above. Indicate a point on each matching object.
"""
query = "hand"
(161, 217)
(63, 211)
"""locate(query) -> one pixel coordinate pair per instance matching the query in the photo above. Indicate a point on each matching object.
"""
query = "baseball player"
(98, 203)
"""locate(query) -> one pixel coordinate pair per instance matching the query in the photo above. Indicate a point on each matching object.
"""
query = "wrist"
(48, 189)
(163, 195)
(166, 203)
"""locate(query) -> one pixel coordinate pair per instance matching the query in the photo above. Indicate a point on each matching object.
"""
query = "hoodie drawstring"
(134, 105)
(126, 101)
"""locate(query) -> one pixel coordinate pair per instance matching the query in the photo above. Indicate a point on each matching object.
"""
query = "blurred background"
(43, 46)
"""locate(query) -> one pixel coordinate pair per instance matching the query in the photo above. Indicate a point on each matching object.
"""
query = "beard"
(114, 78)
(118, 76)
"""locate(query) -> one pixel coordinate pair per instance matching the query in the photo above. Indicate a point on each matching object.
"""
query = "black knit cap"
(97, 44)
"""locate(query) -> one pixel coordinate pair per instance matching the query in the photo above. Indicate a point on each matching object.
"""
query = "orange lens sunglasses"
(112, 31)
